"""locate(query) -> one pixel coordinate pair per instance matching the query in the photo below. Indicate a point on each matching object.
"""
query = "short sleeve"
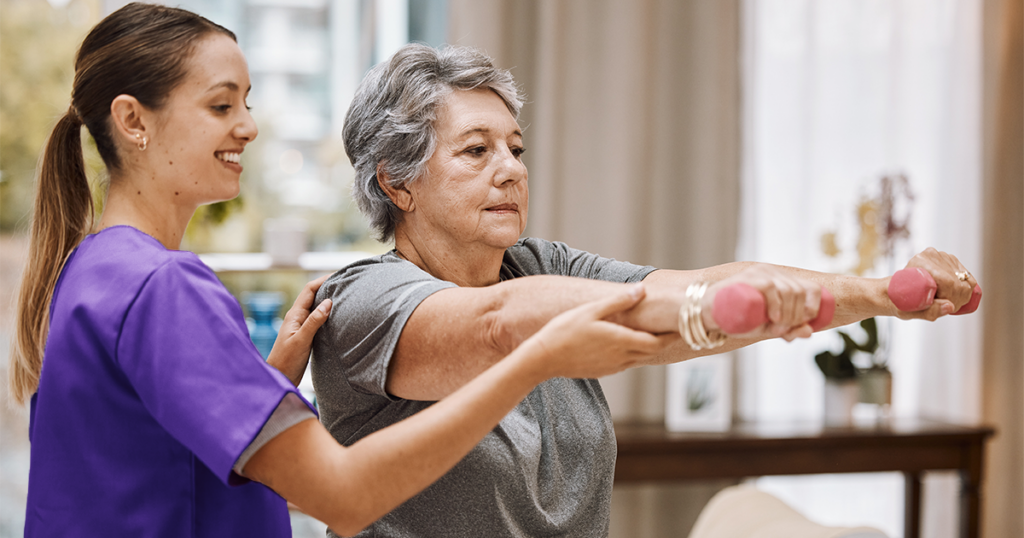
(372, 301)
(184, 348)
(532, 256)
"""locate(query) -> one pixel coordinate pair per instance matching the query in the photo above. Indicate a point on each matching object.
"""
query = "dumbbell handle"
(913, 289)
(740, 308)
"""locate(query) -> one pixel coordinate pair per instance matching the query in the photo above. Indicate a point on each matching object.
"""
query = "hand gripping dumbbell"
(740, 308)
(913, 289)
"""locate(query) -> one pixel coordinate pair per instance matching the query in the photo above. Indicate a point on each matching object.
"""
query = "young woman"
(151, 409)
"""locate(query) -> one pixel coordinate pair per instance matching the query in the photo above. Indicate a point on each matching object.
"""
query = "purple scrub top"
(150, 390)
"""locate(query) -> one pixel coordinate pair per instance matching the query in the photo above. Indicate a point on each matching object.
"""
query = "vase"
(876, 386)
(840, 397)
(263, 321)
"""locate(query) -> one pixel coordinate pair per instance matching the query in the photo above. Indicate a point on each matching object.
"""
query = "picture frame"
(698, 395)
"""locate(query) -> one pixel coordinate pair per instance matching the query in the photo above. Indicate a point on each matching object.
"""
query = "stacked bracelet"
(691, 325)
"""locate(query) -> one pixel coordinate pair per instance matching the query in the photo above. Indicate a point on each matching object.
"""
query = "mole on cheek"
(138, 192)
(170, 162)
(175, 193)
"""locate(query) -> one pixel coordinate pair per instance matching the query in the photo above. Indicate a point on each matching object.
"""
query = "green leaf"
(836, 366)
(871, 328)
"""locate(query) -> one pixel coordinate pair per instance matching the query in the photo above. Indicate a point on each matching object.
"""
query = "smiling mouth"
(229, 156)
(504, 207)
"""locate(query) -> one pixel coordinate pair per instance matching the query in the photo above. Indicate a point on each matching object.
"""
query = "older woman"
(437, 150)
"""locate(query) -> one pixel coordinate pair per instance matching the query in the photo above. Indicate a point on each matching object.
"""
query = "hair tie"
(73, 115)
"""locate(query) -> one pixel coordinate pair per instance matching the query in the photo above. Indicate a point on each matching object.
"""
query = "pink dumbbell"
(740, 308)
(913, 289)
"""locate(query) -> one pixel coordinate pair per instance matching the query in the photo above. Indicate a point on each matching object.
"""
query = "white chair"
(746, 512)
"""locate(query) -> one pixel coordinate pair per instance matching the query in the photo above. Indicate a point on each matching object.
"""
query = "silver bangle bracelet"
(691, 325)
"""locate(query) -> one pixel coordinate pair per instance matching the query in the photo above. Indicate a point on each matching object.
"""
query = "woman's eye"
(476, 151)
(518, 152)
(221, 108)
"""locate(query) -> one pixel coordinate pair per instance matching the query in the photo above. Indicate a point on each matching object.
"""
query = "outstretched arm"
(349, 488)
(456, 333)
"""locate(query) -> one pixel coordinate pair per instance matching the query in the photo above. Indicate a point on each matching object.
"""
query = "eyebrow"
(485, 130)
(229, 85)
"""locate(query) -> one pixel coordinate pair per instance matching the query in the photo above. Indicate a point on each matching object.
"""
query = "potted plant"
(881, 229)
(846, 383)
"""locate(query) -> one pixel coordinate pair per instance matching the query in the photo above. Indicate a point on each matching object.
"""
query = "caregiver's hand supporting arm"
(344, 487)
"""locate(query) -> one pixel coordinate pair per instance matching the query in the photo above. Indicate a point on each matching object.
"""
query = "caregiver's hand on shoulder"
(582, 343)
(295, 337)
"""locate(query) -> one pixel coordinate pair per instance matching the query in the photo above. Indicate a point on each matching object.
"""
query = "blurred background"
(836, 135)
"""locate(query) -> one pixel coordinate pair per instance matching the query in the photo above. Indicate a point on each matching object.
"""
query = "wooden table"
(647, 452)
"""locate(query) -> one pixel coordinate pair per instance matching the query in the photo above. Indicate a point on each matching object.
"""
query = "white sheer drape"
(838, 93)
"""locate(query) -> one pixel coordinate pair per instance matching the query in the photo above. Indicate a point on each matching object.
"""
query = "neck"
(128, 204)
(466, 265)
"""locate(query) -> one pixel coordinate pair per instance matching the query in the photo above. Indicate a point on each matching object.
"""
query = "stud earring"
(143, 141)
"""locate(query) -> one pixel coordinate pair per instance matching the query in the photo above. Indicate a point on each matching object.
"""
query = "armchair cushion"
(746, 512)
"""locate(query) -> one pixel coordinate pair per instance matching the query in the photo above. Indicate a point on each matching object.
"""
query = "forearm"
(857, 298)
(349, 488)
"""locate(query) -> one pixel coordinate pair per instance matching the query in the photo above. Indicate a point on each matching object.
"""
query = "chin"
(504, 241)
(229, 194)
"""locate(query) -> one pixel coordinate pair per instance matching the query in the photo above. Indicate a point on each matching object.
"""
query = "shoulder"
(123, 254)
(536, 248)
(115, 265)
(385, 275)
(136, 265)
(533, 256)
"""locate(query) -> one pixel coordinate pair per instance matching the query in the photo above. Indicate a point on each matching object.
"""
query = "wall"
(1003, 337)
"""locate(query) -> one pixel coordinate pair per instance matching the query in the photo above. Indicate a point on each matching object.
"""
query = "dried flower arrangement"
(881, 230)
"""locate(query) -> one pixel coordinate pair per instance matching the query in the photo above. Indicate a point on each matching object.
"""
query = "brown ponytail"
(62, 217)
(139, 50)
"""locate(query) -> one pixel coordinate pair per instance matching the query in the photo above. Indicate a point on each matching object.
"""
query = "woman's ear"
(129, 119)
(400, 196)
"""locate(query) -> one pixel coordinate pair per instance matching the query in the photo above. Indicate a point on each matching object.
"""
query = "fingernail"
(325, 306)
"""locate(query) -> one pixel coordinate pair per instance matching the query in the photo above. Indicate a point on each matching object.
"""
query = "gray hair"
(391, 119)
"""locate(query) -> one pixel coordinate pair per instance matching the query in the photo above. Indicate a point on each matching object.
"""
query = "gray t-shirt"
(545, 470)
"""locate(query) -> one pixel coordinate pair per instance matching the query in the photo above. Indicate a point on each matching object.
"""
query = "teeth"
(229, 157)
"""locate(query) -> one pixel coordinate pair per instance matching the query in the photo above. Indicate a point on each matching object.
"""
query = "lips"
(504, 207)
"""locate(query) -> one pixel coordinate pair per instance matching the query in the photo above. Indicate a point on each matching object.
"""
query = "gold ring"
(963, 276)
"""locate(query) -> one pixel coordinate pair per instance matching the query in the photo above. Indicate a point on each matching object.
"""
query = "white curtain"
(838, 93)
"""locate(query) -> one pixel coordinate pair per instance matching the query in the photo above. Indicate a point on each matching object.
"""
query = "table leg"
(970, 505)
(912, 505)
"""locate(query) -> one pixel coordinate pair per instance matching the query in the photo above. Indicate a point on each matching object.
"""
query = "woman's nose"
(511, 169)
(247, 129)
